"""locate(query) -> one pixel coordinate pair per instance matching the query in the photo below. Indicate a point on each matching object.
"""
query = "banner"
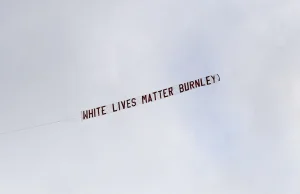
(150, 97)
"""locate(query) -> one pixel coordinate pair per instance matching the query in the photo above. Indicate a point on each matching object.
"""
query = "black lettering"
(133, 101)
(192, 85)
(123, 104)
(144, 99)
(197, 83)
(149, 98)
(213, 77)
(181, 88)
(165, 93)
(98, 110)
(201, 82)
(170, 91)
(91, 112)
(154, 94)
(160, 94)
(207, 80)
(186, 86)
(85, 115)
(113, 106)
(103, 113)
(128, 103)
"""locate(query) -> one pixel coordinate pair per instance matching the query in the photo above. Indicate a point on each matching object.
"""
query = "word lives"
(124, 104)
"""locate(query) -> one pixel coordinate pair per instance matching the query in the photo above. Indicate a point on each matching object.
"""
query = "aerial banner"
(150, 97)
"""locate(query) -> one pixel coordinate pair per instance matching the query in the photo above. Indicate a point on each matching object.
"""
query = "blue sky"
(240, 135)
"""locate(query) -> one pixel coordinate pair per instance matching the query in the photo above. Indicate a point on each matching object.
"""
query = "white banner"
(151, 97)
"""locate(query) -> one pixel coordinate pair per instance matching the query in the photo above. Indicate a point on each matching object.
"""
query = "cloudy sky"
(241, 135)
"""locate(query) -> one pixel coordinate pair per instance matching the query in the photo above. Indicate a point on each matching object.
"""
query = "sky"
(240, 135)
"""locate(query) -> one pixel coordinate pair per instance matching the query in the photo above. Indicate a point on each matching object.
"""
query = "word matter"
(151, 97)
